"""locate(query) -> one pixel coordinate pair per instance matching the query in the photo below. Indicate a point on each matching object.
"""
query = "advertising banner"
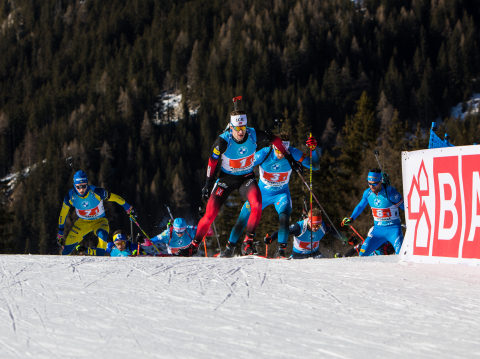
(442, 205)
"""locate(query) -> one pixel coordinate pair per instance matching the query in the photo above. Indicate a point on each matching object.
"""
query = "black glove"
(353, 240)
(328, 228)
(207, 190)
(81, 248)
(296, 166)
(188, 251)
(140, 239)
(267, 239)
(132, 211)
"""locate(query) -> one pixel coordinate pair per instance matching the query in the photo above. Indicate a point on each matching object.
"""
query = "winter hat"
(238, 120)
(179, 225)
(80, 177)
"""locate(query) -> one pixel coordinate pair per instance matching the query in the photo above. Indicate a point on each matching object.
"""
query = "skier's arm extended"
(304, 159)
(361, 206)
(112, 197)
(63, 215)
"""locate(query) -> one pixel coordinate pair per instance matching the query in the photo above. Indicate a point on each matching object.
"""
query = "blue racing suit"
(173, 241)
(274, 178)
(387, 225)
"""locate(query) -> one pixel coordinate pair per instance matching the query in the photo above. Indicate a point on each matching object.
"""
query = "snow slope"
(87, 307)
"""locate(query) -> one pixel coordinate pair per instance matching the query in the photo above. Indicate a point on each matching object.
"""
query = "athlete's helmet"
(79, 177)
(179, 225)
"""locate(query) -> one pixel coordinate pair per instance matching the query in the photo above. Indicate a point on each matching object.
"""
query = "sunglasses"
(316, 226)
(239, 128)
(119, 243)
(83, 186)
(374, 183)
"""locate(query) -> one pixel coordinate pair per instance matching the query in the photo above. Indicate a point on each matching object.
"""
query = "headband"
(119, 237)
(238, 120)
(374, 177)
(316, 220)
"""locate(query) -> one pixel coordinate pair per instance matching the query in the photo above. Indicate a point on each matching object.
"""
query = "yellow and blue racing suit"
(91, 217)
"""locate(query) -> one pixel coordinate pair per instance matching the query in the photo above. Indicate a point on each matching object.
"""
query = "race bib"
(242, 162)
(276, 177)
(384, 214)
(90, 213)
(307, 245)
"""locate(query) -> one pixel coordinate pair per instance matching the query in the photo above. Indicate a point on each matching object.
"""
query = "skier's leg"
(215, 202)
(79, 230)
(395, 237)
(101, 230)
(240, 224)
(251, 191)
(283, 205)
(374, 239)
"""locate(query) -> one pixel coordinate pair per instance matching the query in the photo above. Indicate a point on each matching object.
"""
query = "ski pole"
(132, 218)
(341, 237)
(216, 235)
(353, 229)
(205, 246)
(311, 202)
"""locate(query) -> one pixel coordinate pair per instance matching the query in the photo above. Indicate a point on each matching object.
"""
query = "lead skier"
(385, 202)
(275, 173)
(236, 147)
(88, 203)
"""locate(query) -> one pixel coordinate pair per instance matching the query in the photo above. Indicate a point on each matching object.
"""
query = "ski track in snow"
(87, 307)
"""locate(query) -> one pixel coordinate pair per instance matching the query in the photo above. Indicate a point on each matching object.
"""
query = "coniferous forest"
(82, 78)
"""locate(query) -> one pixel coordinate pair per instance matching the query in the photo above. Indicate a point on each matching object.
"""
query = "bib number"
(242, 162)
(382, 214)
(275, 177)
(89, 212)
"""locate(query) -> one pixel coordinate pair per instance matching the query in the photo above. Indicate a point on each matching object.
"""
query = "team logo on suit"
(85, 204)
(242, 150)
(275, 166)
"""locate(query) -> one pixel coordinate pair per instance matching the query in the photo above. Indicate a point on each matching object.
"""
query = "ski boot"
(229, 250)
(248, 247)
(280, 252)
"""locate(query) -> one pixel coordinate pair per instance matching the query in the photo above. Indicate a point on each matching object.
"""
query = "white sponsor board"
(442, 205)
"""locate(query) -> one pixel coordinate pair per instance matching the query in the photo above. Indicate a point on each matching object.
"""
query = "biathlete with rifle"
(385, 202)
(236, 147)
(275, 172)
(307, 235)
(176, 237)
(88, 203)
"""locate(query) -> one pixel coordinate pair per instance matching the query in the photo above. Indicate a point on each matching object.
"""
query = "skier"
(120, 246)
(275, 173)
(88, 203)
(303, 237)
(176, 237)
(385, 202)
(237, 147)
(123, 248)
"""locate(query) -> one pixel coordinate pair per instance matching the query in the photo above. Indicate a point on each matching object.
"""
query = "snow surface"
(377, 307)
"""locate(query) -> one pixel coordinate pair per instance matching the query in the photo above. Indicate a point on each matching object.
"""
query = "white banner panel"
(442, 205)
